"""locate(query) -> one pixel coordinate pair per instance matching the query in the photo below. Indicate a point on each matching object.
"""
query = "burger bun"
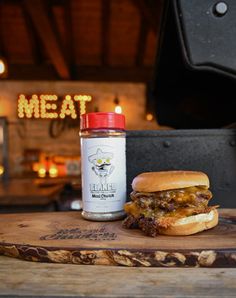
(167, 180)
(192, 224)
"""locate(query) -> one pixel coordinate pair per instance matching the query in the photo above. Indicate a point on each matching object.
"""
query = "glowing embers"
(47, 106)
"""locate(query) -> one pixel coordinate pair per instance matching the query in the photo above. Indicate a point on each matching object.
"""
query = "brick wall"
(34, 134)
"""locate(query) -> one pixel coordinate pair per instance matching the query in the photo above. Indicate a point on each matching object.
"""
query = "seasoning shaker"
(103, 160)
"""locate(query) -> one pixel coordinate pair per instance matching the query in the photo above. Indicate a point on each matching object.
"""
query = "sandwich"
(170, 203)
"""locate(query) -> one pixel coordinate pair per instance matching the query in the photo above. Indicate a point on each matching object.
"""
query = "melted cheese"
(133, 209)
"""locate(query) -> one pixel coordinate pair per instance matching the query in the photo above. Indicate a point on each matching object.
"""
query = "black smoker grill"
(193, 90)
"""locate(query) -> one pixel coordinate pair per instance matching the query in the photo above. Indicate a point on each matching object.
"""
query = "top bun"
(158, 181)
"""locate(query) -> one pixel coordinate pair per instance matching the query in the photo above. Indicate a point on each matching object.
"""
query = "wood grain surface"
(24, 279)
(65, 237)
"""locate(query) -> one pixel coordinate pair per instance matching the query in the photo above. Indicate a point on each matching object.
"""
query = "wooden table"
(65, 237)
(27, 192)
(21, 279)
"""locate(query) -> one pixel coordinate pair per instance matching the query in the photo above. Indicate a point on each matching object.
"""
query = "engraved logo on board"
(77, 233)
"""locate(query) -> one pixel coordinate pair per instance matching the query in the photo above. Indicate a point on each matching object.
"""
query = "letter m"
(28, 107)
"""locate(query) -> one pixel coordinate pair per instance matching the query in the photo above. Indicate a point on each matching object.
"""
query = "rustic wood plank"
(67, 238)
(70, 50)
(33, 37)
(45, 30)
(3, 51)
(105, 32)
(83, 73)
(142, 41)
(21, 279)
(147, 13)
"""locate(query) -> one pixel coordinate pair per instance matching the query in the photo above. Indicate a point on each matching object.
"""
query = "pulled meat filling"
(167, 201)
(159, 209)
(172, 199)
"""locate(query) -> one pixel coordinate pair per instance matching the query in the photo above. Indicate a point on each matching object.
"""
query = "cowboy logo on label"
(102, 165)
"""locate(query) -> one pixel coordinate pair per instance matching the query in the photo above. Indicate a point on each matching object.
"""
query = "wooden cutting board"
(65, 237)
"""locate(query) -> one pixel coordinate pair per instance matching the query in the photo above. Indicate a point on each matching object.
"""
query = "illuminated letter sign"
(28, 108)
(82, 99)
(47, 106)
(68, 108)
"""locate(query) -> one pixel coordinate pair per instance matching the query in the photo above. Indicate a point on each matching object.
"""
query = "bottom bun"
(192, 224)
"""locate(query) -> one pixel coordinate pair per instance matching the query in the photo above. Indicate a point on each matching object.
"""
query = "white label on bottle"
(103, 174)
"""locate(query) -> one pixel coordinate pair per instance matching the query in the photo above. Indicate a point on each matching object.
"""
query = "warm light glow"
(1, 135)
(118, 109)
(28, 108)
(2, 67)
(82, 99)
(1, 170)
(53, 171)
(35, 166)
(42, 171)
(47, 106)
(68, 108)
(149, 117)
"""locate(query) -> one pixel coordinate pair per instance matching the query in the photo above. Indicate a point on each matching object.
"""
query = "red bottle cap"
(102, 121)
